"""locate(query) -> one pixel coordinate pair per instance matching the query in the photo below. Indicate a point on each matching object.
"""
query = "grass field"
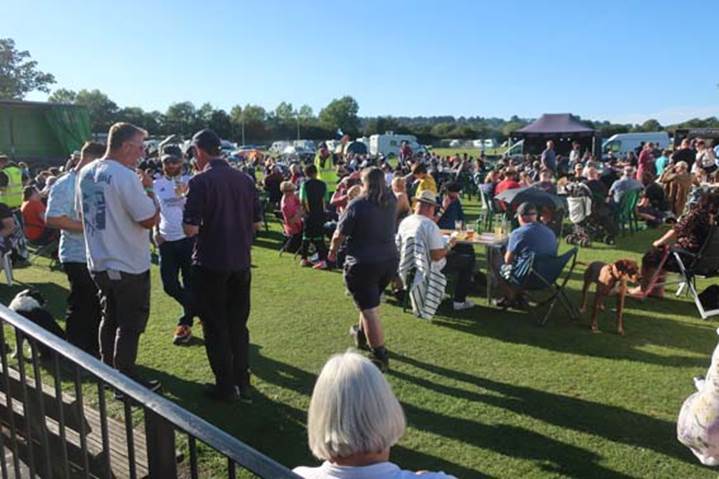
(486, 393)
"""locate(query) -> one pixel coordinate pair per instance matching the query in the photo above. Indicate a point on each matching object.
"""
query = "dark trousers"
(82, 319)
(176, 260)
(314, 233)
(125, 303)
(223, 301)
(460, 262)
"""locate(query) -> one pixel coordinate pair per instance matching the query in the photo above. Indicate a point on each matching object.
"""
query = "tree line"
(20, 75)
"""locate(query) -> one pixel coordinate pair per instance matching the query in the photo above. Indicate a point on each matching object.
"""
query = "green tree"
(651, 125)
(220, 123)
(102, 110)
(62, 95)
(19, 74)
(305, 113)
(285, 113)
(181, 118)
(341, 113)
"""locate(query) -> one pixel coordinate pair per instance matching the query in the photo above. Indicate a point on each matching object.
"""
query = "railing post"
(160, 437)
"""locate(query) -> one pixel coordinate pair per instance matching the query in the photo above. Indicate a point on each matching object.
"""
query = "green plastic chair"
(488, 213)
(627, 212)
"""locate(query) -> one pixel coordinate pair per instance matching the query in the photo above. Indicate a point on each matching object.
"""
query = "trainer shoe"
(320, 265)
(211, 391)
(461, 306)
(183, 333)
(305, 263)
(380, 358)
(359, 337)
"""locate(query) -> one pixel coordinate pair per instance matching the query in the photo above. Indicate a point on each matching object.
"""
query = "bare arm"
(64, 223)
(190, 230)
(8, 226)
(668, 238)
(335, 242)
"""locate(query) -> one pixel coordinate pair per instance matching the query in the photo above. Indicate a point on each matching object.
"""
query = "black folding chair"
(545, 273)
(704, 264)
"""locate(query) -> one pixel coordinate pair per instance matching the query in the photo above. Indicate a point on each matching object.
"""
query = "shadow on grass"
(258, 424)
(574, 337)
(610, 422)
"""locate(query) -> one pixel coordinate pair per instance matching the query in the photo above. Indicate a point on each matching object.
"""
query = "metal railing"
(36, 419)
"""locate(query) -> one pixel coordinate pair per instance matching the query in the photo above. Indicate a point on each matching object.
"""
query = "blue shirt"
(660, 164)
(534, 237)
(61, 202)
(452, 214)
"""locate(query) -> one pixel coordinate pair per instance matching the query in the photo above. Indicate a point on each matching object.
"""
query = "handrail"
(239, 452)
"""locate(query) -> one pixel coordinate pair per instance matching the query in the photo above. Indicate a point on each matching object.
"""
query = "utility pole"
(243, 129)
(298, 125)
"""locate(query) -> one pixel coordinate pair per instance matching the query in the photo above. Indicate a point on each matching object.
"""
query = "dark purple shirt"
(225, 204)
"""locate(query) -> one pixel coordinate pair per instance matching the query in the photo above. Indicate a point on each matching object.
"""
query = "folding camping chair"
(545, 273)
(704, 264)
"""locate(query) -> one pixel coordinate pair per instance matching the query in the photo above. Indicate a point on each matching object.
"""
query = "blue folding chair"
(545, 273)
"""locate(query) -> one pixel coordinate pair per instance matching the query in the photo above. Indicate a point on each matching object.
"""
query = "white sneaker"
(467, 304)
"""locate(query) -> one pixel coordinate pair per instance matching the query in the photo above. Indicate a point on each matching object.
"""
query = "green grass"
(486, 393)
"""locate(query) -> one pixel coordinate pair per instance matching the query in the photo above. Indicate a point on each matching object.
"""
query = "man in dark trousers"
(223, 212)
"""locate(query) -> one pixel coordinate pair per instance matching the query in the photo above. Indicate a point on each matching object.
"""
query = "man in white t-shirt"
(422, 224)
(175, 247)
(118, 208)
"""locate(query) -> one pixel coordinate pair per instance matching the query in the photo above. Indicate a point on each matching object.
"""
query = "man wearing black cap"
(223, 212)
(531, 236)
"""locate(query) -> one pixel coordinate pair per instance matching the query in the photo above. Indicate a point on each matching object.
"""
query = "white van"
(622, 143)
(279, 146)
(389, 143)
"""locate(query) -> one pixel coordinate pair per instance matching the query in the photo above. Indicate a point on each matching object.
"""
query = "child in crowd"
(291, 216)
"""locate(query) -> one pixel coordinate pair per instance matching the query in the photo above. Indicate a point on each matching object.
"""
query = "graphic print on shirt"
(94, 205)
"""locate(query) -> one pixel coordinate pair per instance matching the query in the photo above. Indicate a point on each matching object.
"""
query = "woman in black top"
(368, 225)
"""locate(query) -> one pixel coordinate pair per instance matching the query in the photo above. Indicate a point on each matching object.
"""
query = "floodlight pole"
(298, 126)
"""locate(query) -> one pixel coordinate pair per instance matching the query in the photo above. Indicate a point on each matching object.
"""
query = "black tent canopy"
(562, 128)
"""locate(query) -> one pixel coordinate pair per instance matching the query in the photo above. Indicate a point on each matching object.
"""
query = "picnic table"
(492, 242)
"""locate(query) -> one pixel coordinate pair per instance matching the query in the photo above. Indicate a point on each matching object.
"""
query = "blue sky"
(619, 60)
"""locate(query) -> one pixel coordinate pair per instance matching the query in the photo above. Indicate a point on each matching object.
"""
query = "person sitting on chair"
(532, 236)
(689, 233)
(33, 214)
(622, 186)
(421, 226)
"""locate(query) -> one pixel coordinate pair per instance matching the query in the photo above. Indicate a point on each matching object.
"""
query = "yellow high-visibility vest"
(12, 194)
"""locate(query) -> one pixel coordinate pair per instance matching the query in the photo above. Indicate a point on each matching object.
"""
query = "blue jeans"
(176, 260)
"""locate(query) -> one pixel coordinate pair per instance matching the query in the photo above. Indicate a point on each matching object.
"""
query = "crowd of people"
(385, 226)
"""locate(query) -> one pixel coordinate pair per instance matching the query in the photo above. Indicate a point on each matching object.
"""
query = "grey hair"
(353, 409)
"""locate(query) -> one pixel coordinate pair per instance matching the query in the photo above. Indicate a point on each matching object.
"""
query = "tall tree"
(19, 74)
(102, 110)
(62, 95)
(285, 113)
(221, 124)
(181, 118)
(341, 113)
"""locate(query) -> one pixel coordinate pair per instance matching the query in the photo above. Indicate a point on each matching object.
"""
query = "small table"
(493, 244)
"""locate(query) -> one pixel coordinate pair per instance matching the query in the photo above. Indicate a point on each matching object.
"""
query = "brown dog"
(610, 279)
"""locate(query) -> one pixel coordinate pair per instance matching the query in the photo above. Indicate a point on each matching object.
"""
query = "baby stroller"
(591, 220)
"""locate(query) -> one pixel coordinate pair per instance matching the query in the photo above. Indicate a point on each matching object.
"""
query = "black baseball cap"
(207, 140)
(171, 149)
(526, 209)
(171, 158)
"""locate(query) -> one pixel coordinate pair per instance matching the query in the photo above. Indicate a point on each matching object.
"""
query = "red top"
(33, 215)
(504, 185)
(290, 205)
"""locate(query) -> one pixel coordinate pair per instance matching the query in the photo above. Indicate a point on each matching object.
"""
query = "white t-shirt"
(382, 470)
(112, 201)
(418, 226)
(172, 205)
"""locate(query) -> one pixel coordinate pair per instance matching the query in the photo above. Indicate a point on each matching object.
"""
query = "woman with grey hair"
(353, 421)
